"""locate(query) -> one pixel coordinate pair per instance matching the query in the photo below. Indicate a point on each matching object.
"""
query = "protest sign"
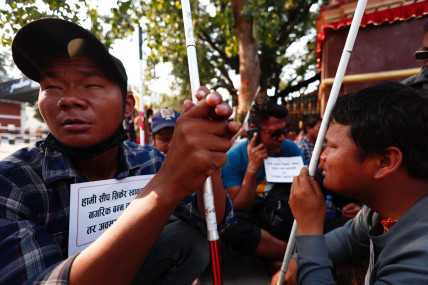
(95, 206)
(282, 169)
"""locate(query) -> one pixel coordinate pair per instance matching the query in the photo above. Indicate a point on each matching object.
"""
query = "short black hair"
(388, 114)
(265, 108)
(310, 121)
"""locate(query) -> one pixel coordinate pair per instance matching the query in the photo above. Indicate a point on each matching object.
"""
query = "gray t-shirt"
(400, 256)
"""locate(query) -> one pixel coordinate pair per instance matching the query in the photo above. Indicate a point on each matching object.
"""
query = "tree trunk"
(249, 64)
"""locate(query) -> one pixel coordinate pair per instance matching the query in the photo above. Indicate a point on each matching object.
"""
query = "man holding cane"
(377, 153)
(83, 100)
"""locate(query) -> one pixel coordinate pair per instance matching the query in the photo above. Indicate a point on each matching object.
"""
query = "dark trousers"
(179, 256)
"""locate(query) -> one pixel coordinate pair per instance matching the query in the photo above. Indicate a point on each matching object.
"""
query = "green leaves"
(276, 25)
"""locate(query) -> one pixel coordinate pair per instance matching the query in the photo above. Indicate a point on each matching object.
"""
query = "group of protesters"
(375, 162)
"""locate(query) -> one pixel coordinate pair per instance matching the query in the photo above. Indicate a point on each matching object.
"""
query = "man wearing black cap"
(420, 80)
(163, 124)
(83, 100)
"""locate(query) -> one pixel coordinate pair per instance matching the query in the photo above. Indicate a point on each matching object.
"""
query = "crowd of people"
(374, 164)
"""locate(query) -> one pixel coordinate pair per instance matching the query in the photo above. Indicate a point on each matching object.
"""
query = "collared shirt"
(418, 81)
(35, 207)
(396, 257)
(306, 147)
(233, 172)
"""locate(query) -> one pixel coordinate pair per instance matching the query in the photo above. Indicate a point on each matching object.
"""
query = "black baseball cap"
(38, 40)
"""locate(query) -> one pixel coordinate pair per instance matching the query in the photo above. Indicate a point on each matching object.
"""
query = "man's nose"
(73, 98)
(324, 153)
(282, 137)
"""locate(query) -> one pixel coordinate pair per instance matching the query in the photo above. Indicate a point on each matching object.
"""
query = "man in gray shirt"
(377, 153)
(420, 80)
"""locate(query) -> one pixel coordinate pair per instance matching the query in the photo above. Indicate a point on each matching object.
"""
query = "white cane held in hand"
(212, 232)
(346, 54)
(141, 112)
(194, 83)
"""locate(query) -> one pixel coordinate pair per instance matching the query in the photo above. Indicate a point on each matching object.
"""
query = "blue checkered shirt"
(34, 209)
(306, 147)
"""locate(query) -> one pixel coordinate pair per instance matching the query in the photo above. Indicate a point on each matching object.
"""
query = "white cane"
(141, 112)
(247, 116)
(343, 63)
(212, 232)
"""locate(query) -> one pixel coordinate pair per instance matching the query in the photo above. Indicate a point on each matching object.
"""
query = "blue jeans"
(179, 256)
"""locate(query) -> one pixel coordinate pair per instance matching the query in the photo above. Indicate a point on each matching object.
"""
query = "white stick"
(141, 113)
(247, 116)
(346, 54)
(212, 232)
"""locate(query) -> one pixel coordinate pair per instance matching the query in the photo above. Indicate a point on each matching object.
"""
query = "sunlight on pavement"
(7, 149)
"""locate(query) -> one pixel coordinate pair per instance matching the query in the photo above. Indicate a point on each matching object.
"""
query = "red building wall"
(386, 47)
(10, 109)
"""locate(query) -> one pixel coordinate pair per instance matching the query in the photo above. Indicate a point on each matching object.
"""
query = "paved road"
(238, 269)
(6, 148)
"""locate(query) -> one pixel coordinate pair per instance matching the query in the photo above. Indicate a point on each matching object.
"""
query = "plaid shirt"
(35, 204)
(306, 147)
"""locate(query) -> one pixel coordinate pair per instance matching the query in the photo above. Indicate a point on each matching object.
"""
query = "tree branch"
(297, 87)
(287, 28)
(233, 62)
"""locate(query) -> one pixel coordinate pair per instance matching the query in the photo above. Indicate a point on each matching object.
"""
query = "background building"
(390, 32)
(14, 95)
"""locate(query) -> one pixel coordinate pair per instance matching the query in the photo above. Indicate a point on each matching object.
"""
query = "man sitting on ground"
(311, 127)
(245, 180)
(83, 99)
(377, 153)
(420, 80)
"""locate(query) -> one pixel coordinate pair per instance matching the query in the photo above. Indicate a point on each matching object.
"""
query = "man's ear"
(153, 139)
(389, 162)
(129, 105)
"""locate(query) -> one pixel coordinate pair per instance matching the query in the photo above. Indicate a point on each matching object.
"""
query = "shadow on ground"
(238, 269)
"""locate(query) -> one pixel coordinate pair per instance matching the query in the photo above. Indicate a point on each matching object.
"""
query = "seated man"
(244, 178)
(163, 124)
(83, 100)
(420, 80)
(377, 152)
(311, 127)
(345, 207)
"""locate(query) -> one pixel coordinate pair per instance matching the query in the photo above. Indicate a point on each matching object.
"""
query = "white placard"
(94, 206)
(282, 169)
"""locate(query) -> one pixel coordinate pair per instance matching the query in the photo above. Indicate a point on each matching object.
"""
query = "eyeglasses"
(421, 54)
(276, 134)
